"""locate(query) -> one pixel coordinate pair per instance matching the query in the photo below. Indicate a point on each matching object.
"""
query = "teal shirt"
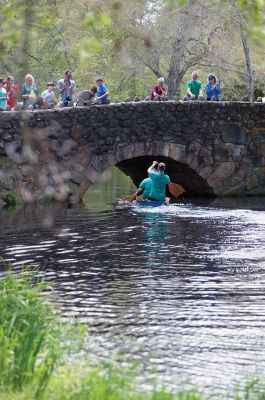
(146, 185)
(194, 86)
(3, 103)
(159, 183)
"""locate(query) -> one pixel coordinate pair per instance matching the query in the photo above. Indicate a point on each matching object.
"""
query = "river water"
(178, 288)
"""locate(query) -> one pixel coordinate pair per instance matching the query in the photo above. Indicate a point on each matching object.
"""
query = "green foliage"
(258, 92)
(120, 40)
(10, 199)
(18, 15)
(254, 17)
(252, 12)
(27, 348)
(176, 3)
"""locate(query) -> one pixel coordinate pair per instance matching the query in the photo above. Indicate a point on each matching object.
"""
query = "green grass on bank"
(43, 358)
(28, 351)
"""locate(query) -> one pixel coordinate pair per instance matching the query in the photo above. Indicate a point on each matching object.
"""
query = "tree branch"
(221, 67)
(33, 57)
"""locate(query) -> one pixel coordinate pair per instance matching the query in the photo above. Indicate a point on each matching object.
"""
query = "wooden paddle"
(176, 190)
(130, 197)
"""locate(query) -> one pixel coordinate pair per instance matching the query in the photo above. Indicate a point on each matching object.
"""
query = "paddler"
(159, 181)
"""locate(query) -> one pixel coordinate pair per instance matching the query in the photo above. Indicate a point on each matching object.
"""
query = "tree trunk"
(248, 64)
(173, 81)
(133, 85)
(26, 35)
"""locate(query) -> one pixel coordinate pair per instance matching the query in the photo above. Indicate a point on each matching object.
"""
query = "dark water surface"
(180, 288)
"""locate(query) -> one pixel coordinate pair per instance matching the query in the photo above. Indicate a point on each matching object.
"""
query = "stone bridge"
(211, 149)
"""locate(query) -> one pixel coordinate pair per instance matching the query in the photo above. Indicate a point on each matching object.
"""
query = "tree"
(128, 41)
(170, 40)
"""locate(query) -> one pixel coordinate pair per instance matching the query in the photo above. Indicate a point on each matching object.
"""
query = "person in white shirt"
(66, 87)
(48, 96)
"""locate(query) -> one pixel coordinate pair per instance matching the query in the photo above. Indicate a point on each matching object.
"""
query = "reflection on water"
(112, 185)
(180, 288)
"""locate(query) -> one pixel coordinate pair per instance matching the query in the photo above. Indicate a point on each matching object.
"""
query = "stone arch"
(134, 159)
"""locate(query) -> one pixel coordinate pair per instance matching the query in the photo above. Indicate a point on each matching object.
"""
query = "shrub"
(10, 198)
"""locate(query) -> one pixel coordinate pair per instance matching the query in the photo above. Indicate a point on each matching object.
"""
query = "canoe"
(150, 203)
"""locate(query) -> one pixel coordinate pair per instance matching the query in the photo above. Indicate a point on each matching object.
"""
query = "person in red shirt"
(12, 91)
(158, 91)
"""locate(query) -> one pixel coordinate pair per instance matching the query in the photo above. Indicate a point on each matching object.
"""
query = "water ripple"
(180, 288)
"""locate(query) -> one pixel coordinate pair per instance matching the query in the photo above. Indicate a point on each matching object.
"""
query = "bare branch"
(33, 57)
(221, 67)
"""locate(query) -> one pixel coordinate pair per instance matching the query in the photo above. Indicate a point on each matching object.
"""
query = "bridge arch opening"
(189, 179)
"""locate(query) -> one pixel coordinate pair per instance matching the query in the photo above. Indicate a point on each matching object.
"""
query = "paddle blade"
(130, 197)
(176, 190)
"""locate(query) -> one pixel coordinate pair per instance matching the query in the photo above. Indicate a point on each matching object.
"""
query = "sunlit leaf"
(88, 49)
(105, 19)
(8, 10)
(89, 20)
(176, 3)
(96, 20)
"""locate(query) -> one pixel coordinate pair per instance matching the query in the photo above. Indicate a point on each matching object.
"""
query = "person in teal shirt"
(159, 181)
(30, 92)
(194, 87)
(144, 188)
(3, 95)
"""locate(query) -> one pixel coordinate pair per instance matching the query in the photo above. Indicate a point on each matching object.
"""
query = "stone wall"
(210, 148)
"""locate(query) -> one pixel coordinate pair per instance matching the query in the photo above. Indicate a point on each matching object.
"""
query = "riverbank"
(42, 357)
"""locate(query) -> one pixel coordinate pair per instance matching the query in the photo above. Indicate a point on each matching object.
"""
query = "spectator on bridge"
(3, 95)
(213, 89)
(194, 88)
(159, 92)
(49, 97)
(30, 92)
(66, 88)
(86, 96)
(12, 91)
(102, 92)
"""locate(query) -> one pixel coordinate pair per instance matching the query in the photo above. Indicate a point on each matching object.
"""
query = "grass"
(27, 334)
(43, 358)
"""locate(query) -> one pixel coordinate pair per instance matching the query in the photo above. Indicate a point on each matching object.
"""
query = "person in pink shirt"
(12, 91)
(158, 91)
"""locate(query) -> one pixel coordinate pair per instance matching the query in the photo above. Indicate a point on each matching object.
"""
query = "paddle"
(176, 190)
(130, 197)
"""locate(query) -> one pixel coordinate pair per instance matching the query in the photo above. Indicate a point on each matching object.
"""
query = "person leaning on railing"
(86, 97)
(194, 88)
(30, 92)
(213, 89)
(158, 92)
(102, 96)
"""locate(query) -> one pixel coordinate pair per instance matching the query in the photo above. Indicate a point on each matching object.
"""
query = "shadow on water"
(180, 288)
